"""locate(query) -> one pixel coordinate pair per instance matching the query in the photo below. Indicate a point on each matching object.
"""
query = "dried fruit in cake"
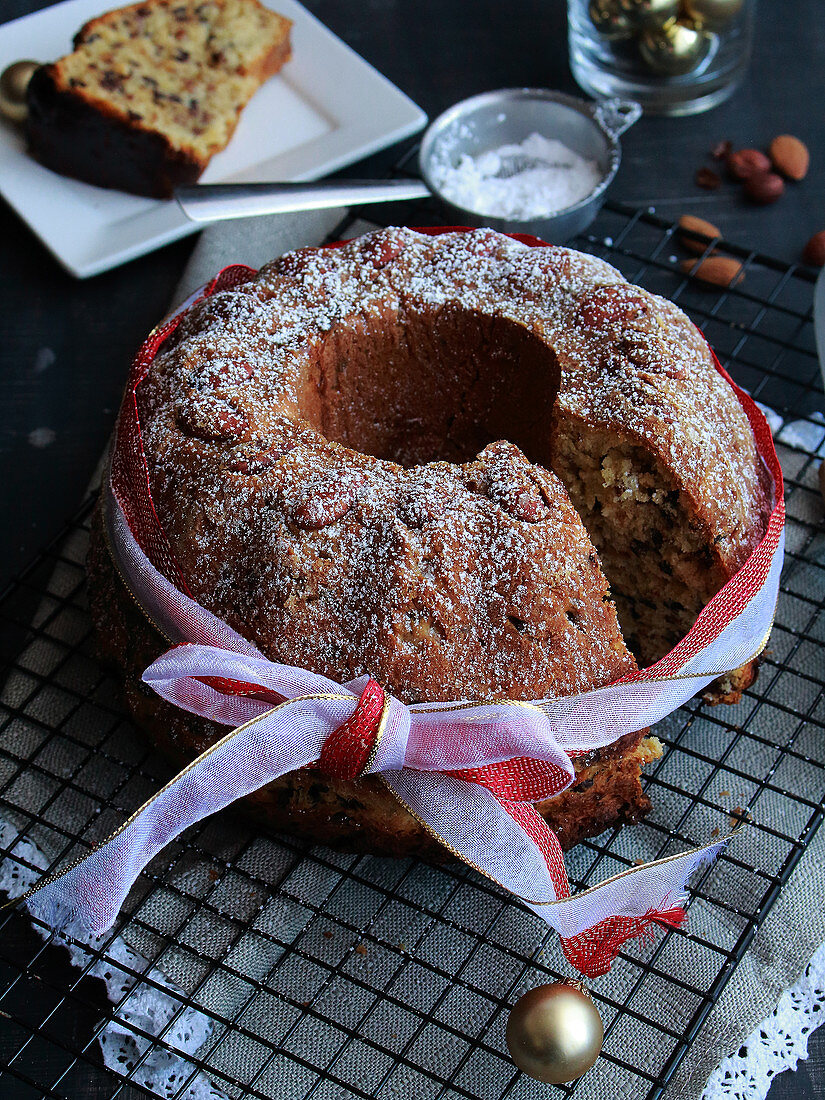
(152, 91)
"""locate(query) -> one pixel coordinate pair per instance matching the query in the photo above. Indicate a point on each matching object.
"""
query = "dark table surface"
(65, 344)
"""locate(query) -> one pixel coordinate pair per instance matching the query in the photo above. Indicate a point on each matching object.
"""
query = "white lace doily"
(142, 1007)
(777, 1043)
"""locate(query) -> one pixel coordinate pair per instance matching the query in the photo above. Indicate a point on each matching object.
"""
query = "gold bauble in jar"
(14, 81)
(711, 15)
(555, 1033)
(674, 50)
(610, 20)
(644, 14)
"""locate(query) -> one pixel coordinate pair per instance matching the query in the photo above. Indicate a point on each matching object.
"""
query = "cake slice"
(152, 91)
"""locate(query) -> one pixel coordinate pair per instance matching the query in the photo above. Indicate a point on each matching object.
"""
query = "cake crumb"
(739, 814)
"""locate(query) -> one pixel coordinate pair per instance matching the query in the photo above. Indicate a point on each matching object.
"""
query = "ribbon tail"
(510, 843)
(592, 952)
(88, 895)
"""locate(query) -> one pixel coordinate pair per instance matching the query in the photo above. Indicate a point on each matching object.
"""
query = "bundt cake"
(449, 461)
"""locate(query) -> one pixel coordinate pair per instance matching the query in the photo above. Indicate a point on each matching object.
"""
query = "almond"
(814, 252)
(715, 270)
(691, 224)
(764, 188)
(790, 156)
(745, 163)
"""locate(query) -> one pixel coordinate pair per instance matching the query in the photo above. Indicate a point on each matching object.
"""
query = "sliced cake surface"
(152, 91)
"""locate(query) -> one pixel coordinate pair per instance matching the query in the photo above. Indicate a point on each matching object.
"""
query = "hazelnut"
(764, 188)
(744, 163)
(814, 251)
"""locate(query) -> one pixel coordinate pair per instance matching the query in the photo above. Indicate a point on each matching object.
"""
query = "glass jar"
(675, 57)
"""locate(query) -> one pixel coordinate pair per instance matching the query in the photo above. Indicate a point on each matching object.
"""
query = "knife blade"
(209, 202)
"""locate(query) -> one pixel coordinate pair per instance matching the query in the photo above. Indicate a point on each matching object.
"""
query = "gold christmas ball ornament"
(711, 15)
(649, 13)
(674, 49)
(555, 1033)
(13, 84)
(610, 20)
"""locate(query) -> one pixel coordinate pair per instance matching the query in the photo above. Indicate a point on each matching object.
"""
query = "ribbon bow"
(468, 772)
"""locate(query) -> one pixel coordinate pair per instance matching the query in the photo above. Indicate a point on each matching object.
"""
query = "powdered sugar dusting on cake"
(442, 580)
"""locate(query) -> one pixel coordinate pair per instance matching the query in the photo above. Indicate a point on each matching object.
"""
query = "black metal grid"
(328, 975)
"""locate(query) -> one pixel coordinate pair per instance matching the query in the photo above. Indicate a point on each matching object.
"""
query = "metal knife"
(208, 202)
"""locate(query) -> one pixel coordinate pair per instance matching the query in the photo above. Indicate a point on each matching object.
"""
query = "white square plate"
(325, 109)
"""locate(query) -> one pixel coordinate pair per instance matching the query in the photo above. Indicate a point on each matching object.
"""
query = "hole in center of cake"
(433, 385)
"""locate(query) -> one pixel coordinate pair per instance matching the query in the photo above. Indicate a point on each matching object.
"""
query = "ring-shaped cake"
(467, 466)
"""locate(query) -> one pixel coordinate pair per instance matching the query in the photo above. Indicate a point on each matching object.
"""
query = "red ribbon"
(347, 750)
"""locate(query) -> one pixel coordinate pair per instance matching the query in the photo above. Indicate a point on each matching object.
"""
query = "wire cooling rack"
(314, 975)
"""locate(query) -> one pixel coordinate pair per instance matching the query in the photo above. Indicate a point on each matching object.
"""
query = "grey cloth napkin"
(793, 929)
